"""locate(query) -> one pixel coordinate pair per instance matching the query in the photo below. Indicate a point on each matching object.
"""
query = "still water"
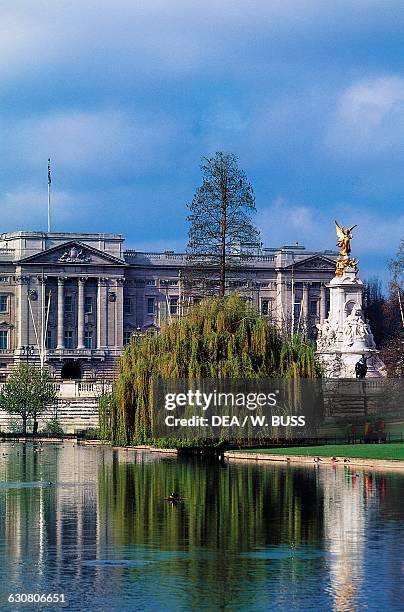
(245, 537)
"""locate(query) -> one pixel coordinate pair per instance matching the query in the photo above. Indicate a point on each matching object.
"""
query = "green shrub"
(53, 427)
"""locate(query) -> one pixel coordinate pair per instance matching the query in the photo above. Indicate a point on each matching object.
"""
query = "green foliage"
(53, 427)
(219, 338)
(15, 425)
(92, 433)
(27, 393)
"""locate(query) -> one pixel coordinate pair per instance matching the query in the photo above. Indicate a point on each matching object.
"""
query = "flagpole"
(49, 196)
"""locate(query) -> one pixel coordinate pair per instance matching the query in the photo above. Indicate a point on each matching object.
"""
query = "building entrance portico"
(70, 302)
(71, 370)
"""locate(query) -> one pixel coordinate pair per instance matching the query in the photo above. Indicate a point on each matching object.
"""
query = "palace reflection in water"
(246, 536)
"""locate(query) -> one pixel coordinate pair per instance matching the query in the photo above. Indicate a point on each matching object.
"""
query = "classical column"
(323, 304)
(280, 308)
(61, 307)
(23, 316)
(102, 305)
(305, 306)
(41, 317)
(80, 313)
(119, 314)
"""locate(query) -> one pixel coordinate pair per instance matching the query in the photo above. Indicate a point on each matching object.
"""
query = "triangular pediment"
(315, 263)
(73, 253)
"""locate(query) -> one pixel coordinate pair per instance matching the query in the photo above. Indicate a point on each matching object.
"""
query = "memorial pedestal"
(345, 337)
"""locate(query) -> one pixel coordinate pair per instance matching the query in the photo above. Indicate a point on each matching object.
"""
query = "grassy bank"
(357, 451)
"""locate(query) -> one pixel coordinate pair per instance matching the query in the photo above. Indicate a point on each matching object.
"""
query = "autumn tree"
(221, 230)
(392, 351)
(374, 301)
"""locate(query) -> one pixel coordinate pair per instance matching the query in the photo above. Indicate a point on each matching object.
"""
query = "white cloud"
(25, 208)
(377, 234)
(285, 223)
(106, 142)
(180, 36)
(369, 117)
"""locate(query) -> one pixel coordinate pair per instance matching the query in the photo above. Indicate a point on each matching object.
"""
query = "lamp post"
(28, 351)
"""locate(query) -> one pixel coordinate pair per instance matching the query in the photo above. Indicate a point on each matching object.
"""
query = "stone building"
(88, 296)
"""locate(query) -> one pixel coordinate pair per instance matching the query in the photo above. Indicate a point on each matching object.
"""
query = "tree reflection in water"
(246, 536)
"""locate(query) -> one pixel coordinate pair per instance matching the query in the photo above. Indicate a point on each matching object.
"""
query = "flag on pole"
(49, 196)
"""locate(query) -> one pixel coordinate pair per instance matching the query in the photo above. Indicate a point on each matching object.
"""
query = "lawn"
(360, 451)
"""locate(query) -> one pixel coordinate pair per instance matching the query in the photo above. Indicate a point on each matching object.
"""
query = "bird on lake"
(174, 497)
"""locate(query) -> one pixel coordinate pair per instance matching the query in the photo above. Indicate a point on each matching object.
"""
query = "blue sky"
(126, 97)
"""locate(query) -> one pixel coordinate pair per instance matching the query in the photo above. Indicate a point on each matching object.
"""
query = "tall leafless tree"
(221, 231)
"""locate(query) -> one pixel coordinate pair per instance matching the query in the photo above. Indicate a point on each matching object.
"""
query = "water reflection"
(246, 536)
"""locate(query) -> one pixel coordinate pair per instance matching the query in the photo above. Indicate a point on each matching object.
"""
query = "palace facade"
(87, 296)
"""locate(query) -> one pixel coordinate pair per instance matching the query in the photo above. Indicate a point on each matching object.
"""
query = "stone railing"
(7, 254)
(71, 389)
(182, 257)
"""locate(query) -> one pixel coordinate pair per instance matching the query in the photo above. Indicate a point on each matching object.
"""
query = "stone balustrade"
(71, 389)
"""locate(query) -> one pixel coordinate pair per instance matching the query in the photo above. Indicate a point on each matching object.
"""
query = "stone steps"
(72, 414)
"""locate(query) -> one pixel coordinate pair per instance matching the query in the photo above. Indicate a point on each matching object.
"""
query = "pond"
(92, 523)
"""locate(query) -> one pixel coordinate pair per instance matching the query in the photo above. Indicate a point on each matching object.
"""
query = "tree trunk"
(24, 425)
(223, 243)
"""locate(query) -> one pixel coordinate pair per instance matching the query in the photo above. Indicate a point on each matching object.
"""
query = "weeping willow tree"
(219, 338)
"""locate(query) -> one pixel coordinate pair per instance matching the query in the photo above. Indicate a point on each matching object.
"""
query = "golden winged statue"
(344, 235)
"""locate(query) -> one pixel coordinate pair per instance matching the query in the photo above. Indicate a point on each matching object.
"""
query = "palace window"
(3, 339)
(150, 305)
(238, 283)
(267, 307)
(68, 339)
(173, 306)
(297, 310)
(68, 303)
(88, 340)
(313, 308)
(126, 337)
(127, 305)
(88, 304)
(3, 303)
(49, 339)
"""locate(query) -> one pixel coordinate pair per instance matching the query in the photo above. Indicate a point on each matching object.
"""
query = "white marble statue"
(343, 339)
